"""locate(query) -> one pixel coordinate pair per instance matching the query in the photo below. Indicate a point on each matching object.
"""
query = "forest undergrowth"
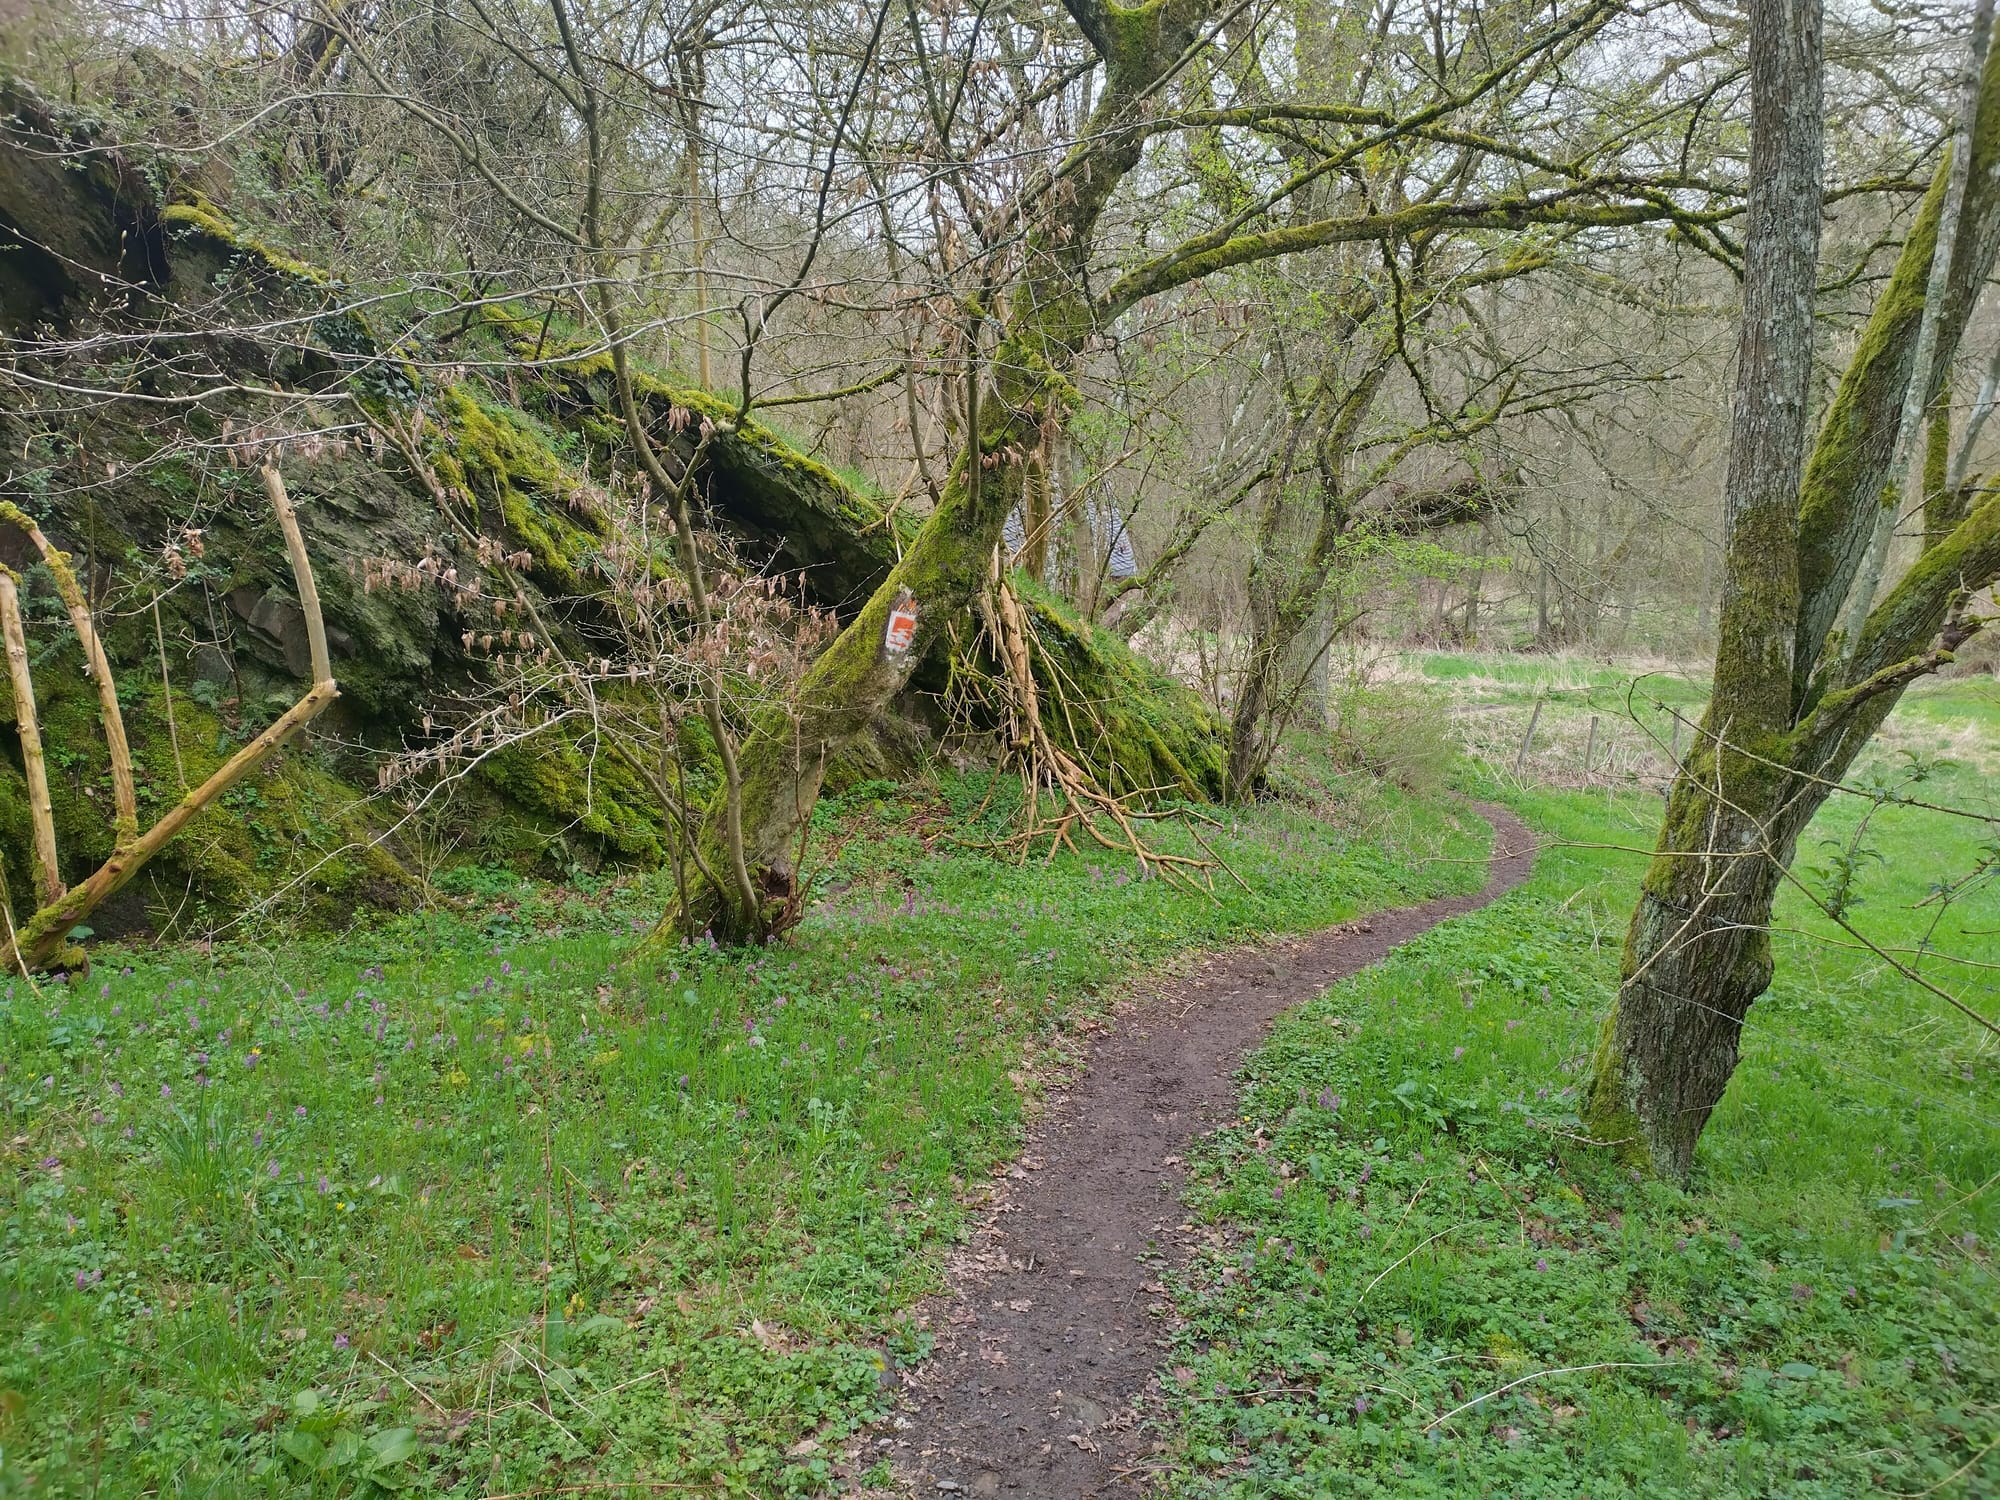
(489, 1199)
(484, 1200)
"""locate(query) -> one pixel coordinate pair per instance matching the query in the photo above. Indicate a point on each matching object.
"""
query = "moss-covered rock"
(1137, 728)
(506, 462)
(518, 462)
(785, 510)
(295, 839)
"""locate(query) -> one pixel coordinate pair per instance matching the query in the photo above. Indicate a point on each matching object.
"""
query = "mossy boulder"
(515, 465)
(296, 840)
(1140, 730)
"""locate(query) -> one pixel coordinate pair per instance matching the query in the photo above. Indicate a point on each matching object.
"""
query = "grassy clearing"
(1635, 707)
(1502, 673)
(478, 1200)
(1406, 1238)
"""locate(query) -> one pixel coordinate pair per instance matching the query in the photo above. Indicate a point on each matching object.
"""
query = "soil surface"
(1057, 1319)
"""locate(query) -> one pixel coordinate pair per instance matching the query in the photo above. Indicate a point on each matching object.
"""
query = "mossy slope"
(516, 463)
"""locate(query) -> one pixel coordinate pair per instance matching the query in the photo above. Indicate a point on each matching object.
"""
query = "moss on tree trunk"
(1789, 714)
(1051, 315)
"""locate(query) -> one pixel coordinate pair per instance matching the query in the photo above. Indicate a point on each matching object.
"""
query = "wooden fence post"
(1528, 739)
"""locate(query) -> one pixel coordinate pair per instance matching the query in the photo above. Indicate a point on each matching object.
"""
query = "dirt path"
(1047, 1342)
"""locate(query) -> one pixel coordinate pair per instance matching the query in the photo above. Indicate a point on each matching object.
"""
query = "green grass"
(1514, 674)
(1405, 1221)
(482, 1202)
(1635, 708)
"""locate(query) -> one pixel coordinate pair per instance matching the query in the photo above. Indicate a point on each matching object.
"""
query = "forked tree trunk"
(1793, 704)
(1697, 953)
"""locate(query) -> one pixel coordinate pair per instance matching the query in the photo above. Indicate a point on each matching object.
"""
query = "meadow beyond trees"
(1203, 749)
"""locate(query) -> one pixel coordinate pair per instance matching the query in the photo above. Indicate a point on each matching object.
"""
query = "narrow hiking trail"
(1053, 1329)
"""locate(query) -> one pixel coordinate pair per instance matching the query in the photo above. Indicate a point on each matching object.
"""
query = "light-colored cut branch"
(41, 813)
(44, 935)
(97, 663)
(302, 575)
(167, 694)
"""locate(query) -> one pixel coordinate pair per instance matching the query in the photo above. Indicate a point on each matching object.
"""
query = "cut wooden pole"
(124, 800)
(1528, 739)
(41, 812)
(302, 575)
(167, 694)
(43, 937)
(1590, 745)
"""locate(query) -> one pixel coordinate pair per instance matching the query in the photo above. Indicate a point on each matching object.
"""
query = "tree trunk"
(1786, 721)
(783, 763)
(1246, 726)
(1697, 953)
(1858, 442)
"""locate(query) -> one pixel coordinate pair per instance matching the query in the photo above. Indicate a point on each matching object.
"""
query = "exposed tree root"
(1062, 799)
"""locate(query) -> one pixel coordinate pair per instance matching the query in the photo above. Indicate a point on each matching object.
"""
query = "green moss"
(1137, 728)
(553, 785)
(1851, 455)
(199, 216)
(498, 456)
(294, 834)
